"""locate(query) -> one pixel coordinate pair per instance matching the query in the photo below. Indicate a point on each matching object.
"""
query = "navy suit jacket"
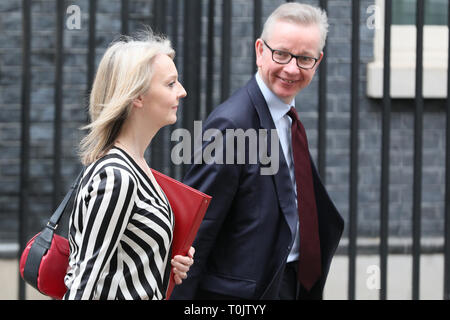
(249, 228)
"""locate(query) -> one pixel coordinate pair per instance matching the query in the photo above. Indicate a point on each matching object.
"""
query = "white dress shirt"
(278, 110)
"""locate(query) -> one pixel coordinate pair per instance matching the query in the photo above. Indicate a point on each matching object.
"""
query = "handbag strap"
(56, 216)
(43, 241)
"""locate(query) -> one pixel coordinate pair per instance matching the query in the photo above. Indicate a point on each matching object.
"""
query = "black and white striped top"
(120, 233)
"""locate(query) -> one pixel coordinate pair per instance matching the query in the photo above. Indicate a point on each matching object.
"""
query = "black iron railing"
(189, 15)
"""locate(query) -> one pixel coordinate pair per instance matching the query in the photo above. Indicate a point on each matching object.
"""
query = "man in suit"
(255, 242)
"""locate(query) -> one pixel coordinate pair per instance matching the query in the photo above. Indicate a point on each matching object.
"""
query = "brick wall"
(338, 115)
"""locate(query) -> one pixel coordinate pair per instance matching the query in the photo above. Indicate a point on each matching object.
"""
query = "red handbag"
(52, 267)
(45, 259)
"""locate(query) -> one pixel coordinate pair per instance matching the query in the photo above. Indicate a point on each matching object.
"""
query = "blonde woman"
(121, 227)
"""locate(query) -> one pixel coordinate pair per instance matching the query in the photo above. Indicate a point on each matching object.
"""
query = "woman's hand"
(181, 265)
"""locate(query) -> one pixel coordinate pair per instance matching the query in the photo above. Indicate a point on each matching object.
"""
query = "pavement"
(399, 278)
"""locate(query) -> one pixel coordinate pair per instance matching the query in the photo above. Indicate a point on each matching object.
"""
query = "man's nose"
(292, 67)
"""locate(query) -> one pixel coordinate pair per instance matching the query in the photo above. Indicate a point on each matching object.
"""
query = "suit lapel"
(282, 179)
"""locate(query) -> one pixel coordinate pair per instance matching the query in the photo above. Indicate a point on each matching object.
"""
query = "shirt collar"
(278, 109)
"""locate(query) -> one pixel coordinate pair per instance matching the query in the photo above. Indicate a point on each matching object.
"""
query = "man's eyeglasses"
(284, 57)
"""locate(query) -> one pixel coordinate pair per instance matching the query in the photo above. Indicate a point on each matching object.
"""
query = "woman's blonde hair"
(124, 73)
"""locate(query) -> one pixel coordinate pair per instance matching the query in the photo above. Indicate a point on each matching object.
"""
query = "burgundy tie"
(310, 260)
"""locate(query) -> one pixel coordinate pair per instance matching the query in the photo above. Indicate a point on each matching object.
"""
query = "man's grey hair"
(298, 13)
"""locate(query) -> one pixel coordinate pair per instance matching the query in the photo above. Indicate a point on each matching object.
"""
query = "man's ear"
(319, 61)
(259, 48)
(138, 102)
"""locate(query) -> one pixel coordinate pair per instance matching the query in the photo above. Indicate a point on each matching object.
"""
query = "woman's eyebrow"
(172, 76)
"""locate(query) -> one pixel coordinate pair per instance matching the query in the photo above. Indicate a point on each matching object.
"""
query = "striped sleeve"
(109, 202)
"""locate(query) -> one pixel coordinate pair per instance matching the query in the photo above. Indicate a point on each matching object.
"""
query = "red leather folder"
(189, 206)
